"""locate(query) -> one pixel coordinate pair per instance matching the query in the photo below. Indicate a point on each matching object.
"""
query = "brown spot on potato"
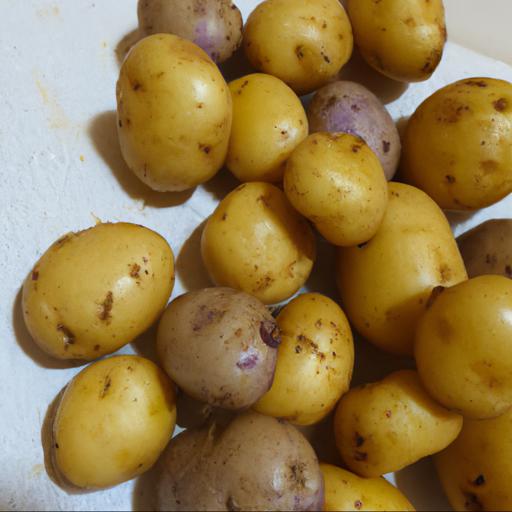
(386, 146)
(388, 414)
(106, 386)
(269, 333)
(134, 271)
(508, 271)
(472, 502)
(105, 312)
(476, 83)
(136, 86)
(318, 324)
(68, 336)
(96, 348)
(450, 179)
(500, 105)
(438, 290)
(491, 259)
(358, 504)
(206, 316)
(445, 273)
(360, 456)
(311, 345)
(297, 474)
(298, 349)
(356, 147)
(205, 148)
(489, 166)
(35, 275)
(299, 51)
(479, 480)
(359, 440)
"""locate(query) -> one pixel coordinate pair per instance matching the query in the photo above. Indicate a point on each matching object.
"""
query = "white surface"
(57, 83)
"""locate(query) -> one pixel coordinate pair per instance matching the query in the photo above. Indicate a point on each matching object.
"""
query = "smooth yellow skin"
(256, 242)
(96, 290)
(463, 347)
(387, 425)
(174, 113)
(458, 144)
(337, 182)
(475, 469)
(269, 122)
(303, 43)
(386, 283)
(345, 491)
(403, 39)
(314, 363)
(114, 420)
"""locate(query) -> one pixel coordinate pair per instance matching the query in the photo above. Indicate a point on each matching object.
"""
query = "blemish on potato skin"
(436, 291)
(134, 271)
(105, 313)
(450, 179)
(508, 271)
(359, 440)
(69, 337)
(479, 480)
(472, 502)
(35, 275)
(106, 386)
(360, 456)
(270, 335)
(358, 504)
(476, 83)
(299, 51)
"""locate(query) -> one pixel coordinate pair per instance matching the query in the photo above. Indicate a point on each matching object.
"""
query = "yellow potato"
(96, 290)
(174, 113)
(303, 43)
(115, 418)
(385, 284)
(314, 363)
(269, 122)
(458, 144)
(387, 425)
(337, 182)
(256, 242)
(403, 39)
(464, 347)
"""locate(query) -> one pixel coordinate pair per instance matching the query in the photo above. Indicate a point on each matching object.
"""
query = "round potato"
(385, 284)
(464, 347)
(256, 242)
(337, 182)
(96, 290)
(174, 113)
(458, 144)
(404, 40)
(315, 361)
(115, 418)
(305, 43)
(269, 122)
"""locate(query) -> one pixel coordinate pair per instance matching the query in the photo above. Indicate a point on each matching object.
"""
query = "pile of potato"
(402, 277)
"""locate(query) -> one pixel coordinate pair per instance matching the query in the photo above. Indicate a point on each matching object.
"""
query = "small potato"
(269, 122)
(463, 347)
(315, 361)
(337, 182)
(348, 107)
(214, 25)
(390, 424)
(256, 242)
(96, 290)
(114, 420)
(402, 39)
(304, 43)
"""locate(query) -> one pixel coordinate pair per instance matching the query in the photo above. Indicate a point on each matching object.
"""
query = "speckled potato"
(214, 25)
(387, 425)
(463, 347)
(386, 283)
(174, 113)
(403, 39)
(305, 43)
(269, 122)
(458, 144)
(337, 182)
(256, 242)
(96, 290)
(315, 361)
(114, 420)
(253, 463)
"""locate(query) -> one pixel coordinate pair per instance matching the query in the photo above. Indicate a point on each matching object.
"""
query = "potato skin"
(311, 41)
(115, 418)
(463, 347)
(315, 361)
(337, 182)
(403, 40)
(96, 290)
(269, 122)
(385, 284)
(256, 242)
(458, 144)
(171, 144)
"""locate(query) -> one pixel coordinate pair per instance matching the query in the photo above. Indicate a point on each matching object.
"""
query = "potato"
(487, 249)
(403, 39)
(269, 122)
(349, 107)
(385, 284)
(390, 424)
(96, 290)
(214, 25)
(305, 43)
(346, 491)
(475, 469)
(464, 347)
(115, 418)
(174, 113)
(458, 144)
(314, 363)
(256, 242)
(337, 182)
(253, 463)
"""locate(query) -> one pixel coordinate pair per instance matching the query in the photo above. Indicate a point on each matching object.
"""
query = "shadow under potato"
(144, 498)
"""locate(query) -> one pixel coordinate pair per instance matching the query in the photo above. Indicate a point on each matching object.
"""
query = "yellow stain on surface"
(82, 158)
(37, 470)
(50, 11)
(56, 116)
